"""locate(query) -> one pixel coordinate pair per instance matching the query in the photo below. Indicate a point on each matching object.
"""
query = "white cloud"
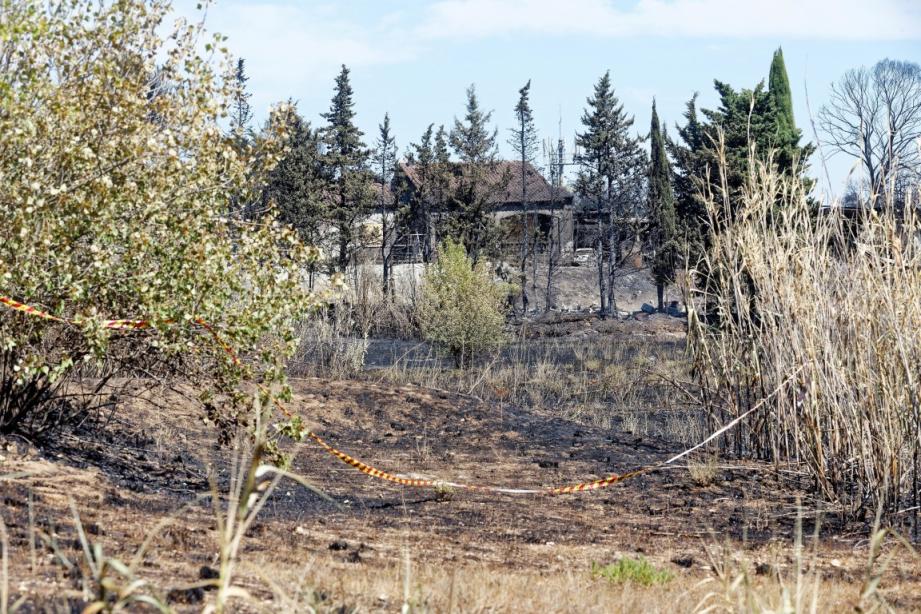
(827, 19)
(290, 46)
(290, 39)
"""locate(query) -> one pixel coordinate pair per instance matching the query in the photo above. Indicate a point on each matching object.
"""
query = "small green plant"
(637, 571)
(462, 308)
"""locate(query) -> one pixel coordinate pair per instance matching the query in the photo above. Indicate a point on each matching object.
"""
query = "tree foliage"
(474, 144)
(690, 175)
(347, 159)
(462, 307)
(113, 204)
(611, 180)
(297, 186)
(241, 112)
(748, 124)
(661, 208)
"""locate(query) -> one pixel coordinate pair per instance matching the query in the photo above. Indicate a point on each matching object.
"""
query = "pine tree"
(444, 170)
(241, 113)
(690, 172)
(474, 143)
(385, 157)
(297, 184)
(661, 209)
(744, 125)
(347, 160)
(241, 132)
(421, 156)
(611, 180)
(523, 140)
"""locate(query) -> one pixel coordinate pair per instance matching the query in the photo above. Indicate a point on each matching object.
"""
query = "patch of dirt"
(154, 462)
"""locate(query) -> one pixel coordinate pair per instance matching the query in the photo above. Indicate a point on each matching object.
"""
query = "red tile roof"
(539, 190)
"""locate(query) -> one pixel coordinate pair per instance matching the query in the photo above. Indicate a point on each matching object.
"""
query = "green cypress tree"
(661, 209)
(782, 97)
(786, 138)
(346, 157)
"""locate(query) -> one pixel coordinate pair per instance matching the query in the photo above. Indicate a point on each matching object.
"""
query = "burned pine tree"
(611, 181)
(523, 140)
(478, 177)
(385, 158)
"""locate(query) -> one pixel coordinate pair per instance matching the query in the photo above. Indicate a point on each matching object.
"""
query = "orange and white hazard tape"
(413, 482)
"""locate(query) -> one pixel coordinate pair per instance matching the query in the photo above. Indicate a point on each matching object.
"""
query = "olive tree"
(116, 190)
(462, 308)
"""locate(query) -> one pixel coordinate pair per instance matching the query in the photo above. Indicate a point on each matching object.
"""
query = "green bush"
(116, 190)
(638, 571)
(462, 308)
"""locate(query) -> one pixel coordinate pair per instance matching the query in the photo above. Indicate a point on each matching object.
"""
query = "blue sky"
(415, 58)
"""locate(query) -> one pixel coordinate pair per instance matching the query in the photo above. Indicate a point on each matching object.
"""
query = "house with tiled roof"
(551, 206)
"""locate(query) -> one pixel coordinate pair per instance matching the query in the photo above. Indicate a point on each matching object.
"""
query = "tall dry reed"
(831, 300)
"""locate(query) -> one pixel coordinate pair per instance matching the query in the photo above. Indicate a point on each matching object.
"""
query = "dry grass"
(729, 581)
(603, 381)
(704, 472)
(834, 304)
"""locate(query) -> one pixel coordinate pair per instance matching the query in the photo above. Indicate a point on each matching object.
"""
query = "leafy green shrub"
(638, 571)
(116, 191)
(462, 308)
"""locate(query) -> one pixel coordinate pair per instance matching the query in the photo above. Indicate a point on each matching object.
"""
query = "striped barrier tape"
(414, 482)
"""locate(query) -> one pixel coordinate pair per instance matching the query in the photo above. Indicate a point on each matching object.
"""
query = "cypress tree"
(347, 161)
(781, 96)
(661, 209)
(787, 136)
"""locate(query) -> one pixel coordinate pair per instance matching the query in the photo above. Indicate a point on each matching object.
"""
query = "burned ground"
(152, 460)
